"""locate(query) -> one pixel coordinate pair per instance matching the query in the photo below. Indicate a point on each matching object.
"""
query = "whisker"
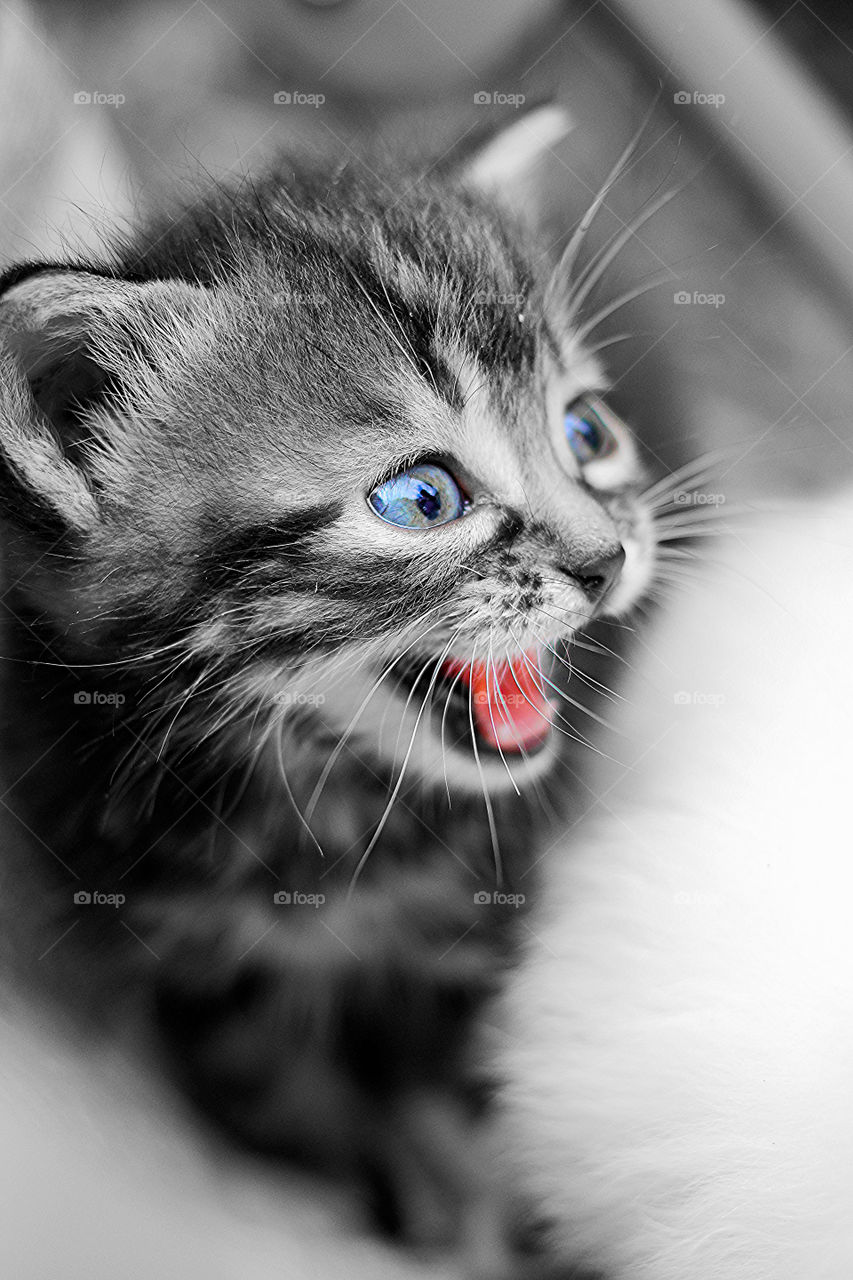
(561, 693)
(490, 665)
(654, 282)
(704, 462)
(524, 753)
(568, 258)
(374, 839)
(279, 741)
(591, 275)
(569, 730)
(448, 696)
(493, 830)
(344, 737)
(681, 532)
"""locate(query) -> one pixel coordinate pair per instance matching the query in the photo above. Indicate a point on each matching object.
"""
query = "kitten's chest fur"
(92, 806)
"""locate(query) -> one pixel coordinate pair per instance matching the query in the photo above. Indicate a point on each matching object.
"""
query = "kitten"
(306, 489)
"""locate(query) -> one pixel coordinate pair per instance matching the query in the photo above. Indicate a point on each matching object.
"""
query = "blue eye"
(587, 432)
(420, 498)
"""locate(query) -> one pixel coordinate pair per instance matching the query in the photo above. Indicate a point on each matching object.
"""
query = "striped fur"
(188, 434)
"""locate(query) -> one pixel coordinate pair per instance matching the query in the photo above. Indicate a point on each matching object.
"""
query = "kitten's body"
(677, 1044)
(205, 617)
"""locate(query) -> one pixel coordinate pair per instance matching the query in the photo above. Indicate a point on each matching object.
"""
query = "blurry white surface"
(63, 173)
(680, 1043)
(101, 1178)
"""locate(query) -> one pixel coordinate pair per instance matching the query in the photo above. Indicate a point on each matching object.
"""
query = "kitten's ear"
(39, 491)
(503, 162)
(72, 344)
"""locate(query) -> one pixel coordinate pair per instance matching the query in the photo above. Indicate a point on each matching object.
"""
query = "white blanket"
(681, 1040)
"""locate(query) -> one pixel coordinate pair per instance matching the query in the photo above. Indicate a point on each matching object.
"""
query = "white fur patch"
(680, 1039)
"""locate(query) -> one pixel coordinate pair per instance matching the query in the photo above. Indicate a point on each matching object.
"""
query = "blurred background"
(111, 107)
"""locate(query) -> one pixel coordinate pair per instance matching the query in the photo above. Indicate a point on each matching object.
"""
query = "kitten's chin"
(453, 726)
(457, 769)
(447, 754)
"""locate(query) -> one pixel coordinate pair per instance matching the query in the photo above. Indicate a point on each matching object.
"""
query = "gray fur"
(188, 436)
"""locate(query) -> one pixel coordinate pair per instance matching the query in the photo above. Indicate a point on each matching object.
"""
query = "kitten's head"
(328, 457)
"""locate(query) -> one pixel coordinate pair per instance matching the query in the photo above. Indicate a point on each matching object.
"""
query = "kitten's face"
(487, 533)
(366, 491)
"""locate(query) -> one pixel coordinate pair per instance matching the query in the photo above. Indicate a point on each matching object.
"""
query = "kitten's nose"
(598, 572)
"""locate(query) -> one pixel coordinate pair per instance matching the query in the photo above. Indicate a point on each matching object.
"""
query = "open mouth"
(499, 706)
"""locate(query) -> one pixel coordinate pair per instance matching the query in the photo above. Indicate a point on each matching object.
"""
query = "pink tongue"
(508, 702)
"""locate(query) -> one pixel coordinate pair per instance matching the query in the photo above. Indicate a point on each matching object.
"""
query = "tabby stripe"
(240, 550)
